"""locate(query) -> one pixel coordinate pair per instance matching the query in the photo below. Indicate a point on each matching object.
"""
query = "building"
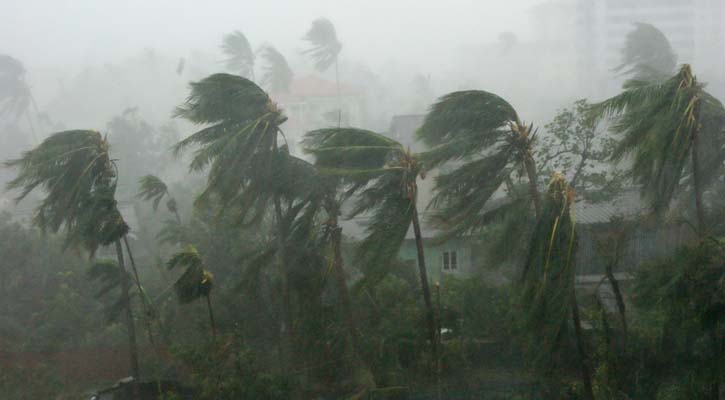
(598, 29)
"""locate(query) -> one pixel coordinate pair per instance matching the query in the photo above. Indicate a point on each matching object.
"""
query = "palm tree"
(153, 188)
(195, 282)
(484, 138)
(249, 172)
(240, 57)
(548, 293)
(385, 174)
(324, 51)
(15, 94)
(661, 124)
(647, 54)
(277, 72)
(79, 178)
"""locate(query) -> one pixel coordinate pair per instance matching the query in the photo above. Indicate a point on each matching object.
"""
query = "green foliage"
(153, 188)
(324, 44)
(240, 56)
(481, 135)
(75, 171)
(195, 282)
(657, 122)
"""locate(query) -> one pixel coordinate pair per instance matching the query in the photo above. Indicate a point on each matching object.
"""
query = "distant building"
(598, 28)
(312, 103)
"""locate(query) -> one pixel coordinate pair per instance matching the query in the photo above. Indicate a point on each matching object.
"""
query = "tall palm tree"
(240, 56)
(324, 51)
(483, 137)
(548, 293)
(277, 72)
(661, 124)
(79, 178)
(195, 282)
(386, 175)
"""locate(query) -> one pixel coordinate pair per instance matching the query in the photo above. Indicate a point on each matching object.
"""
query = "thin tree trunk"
(430, 316)
(148, 308)
(621, 307)
(530, 166)
(211, 317)
(342, 282)
(286, 328)
(132, 347)
(339, 99)
(586, 376)
(697, 184)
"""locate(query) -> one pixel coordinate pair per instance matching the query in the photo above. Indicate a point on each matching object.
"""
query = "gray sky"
(97, 31)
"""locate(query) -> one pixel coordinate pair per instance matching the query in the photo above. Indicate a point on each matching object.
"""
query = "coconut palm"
(240, 56)
(195, 282)
(385, 175)
(483, 137)
(548, 296)
(79, 178)
(324, 51)
(277, 72)
(660, 123)
(153, 188)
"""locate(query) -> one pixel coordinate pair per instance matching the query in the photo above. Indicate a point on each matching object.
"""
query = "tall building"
(598, 29)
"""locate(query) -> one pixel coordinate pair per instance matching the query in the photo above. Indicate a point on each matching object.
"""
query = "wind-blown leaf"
(153, 188)
(647, 54)
(195, 282)
(277, 72)
(240, 57)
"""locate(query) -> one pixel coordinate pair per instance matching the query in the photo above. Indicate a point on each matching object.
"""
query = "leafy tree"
(389, 174)
(548, 297)
(482, 136)
(577, 147)
(195, 282)
(240, 56)
(277, 72)
(661, 124)
(79, 178)
(324, 51)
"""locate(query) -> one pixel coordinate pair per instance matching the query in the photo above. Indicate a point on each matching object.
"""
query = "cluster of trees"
(264, 240)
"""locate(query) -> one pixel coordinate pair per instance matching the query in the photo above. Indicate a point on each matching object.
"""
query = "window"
(450, 260)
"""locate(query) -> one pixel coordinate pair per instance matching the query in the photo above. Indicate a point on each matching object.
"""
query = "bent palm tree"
(277, 72)
(385, 174)
(15, 97)
(548, 293)
(195, 282)
(324, 51)
(661, 123)
(647, 54)
(240, 57)
(79, 178)
(153, 188)
(484, 137)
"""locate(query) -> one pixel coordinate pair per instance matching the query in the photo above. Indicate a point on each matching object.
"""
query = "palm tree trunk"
(339, 99)
(430, 316)
(148, 308)
(697, 184)
(530, 166)
(342, 282)
(286, 328)
(211, 317)
(586, 376)
(132, 347)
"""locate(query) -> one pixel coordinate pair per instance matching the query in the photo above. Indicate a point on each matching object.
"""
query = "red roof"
(314, 86)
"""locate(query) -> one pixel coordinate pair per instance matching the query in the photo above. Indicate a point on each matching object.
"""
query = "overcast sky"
(86, 32)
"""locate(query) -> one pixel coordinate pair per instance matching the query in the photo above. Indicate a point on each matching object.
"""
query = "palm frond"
(153, 188)
(277, 72)
(107, 275)
(324, 44)
(240, 57)
(195, 282)
(469, 120)
(74, 170)
(647, 54)
(15, 96)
